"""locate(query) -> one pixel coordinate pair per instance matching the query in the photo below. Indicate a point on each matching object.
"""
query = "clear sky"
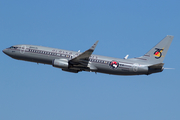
(40, 92)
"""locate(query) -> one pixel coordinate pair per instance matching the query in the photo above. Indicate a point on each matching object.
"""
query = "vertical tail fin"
(157, 54)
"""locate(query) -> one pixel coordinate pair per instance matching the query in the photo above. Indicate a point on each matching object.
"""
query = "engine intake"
(60, 63)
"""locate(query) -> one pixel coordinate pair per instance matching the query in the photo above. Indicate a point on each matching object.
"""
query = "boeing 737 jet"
(71, 61)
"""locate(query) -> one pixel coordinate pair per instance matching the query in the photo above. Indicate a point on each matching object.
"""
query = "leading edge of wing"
(85, 55)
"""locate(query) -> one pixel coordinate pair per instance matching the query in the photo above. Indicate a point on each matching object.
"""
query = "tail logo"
(114, 64)
(158, 53)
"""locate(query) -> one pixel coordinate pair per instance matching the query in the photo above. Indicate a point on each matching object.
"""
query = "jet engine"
(60, 63)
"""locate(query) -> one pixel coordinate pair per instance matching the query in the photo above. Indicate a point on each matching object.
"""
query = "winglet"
(94, 46)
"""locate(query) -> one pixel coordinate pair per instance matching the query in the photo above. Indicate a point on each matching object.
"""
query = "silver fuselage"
(101, 64)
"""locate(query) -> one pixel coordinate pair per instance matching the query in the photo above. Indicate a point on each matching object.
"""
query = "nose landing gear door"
(23, 48)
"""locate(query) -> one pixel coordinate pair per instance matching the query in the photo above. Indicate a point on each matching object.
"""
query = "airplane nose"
(5, 51)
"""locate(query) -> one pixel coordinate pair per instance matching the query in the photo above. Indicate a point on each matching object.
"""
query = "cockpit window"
(12, 47)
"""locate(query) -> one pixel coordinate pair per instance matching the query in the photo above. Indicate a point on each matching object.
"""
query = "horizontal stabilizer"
(126, 57)
(160, 65)
(169, 68)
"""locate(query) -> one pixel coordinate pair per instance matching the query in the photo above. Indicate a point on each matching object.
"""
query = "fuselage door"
(23, 48)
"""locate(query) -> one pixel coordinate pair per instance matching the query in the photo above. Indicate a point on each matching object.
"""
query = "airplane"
(71, 61)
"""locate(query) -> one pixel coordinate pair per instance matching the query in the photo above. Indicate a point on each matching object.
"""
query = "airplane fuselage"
(96, 63)
(71, 61)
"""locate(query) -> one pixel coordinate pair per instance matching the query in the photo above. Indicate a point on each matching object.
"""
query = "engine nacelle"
(60, 63)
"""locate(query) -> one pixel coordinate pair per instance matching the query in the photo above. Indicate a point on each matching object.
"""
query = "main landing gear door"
(23, 48)
(135, 67)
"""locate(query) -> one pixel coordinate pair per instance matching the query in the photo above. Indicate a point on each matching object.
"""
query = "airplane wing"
(83, 58)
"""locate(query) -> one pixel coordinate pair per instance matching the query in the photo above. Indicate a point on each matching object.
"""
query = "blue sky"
(30, 91)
